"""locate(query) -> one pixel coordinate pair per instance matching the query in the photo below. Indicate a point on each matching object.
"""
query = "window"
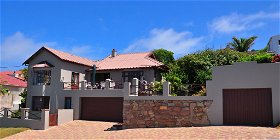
(75, 80)
(278, 42)
(42, 77)
(40, 102)
(67, 103)
(101, 77)
(129, 75)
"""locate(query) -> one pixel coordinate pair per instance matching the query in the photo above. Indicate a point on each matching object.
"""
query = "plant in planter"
(276, 58)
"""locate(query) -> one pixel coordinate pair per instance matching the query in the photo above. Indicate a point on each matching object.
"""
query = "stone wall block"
(165, 113)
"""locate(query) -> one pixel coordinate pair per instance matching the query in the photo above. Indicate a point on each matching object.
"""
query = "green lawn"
(5, 132)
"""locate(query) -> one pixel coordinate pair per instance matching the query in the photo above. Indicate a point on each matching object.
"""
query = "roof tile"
(126, 61)
(71, 58)
(7, 79)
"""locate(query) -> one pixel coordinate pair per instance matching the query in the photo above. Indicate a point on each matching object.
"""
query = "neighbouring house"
(14, 82)
(274, 44)
(50, 71)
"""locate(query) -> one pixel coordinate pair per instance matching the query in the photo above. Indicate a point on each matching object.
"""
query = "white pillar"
(23, 113)
(126, 88)
(166, 88)
(45, 114)
(107, 83)
(134, 89)
(83, 85)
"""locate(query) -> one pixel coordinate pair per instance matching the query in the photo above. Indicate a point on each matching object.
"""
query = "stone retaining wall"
(165, 113)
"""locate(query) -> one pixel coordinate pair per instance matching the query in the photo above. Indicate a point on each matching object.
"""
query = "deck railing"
(84, 85)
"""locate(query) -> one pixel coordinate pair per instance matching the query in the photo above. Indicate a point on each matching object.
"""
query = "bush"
(276, 58)
(259, 57)
(16, 114)
(158, 87)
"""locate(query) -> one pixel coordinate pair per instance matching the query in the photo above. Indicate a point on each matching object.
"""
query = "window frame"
(65, 103)
(43, 100)
(42, 76)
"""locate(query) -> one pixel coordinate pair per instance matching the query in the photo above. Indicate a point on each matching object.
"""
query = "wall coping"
(167, 98)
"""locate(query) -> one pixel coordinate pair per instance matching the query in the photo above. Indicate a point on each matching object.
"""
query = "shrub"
(16, 114)
(276, 58)
(259, 57)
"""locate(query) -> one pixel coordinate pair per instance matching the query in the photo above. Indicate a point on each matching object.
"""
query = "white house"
(14, 82)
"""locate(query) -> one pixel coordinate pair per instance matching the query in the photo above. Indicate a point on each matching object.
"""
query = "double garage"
(252, 107)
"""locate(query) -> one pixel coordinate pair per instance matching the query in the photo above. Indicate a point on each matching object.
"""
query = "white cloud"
(16, 48)
(86, 51)
(237, 22)
(178, 42)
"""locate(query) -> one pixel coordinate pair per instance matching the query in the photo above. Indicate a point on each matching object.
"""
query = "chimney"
(114, 53)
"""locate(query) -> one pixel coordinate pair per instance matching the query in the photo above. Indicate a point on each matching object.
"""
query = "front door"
(75, 80)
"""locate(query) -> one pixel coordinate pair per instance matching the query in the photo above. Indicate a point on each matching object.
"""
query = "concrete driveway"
(96, 130)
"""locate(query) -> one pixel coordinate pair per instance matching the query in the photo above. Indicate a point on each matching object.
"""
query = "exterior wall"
(6, 101)
(243, 75)
(64, 116)
(274, 45)
(41, 124)
(61, 69)
(116, 75)
(165, 113)
(77, 94)
(13, 100)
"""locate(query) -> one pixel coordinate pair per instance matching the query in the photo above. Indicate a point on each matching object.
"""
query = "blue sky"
(92, 29)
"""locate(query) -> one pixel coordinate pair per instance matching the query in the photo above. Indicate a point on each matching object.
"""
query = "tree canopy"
(242, 44)
(196, 68)
(164, 56)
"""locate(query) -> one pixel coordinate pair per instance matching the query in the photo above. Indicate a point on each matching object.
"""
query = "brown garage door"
(102, 109)
(247, 107)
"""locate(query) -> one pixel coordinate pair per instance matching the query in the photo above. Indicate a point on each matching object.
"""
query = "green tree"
(24, 93)
(242, 44)
(3, 90)
(25, 73)
(196, 68)
(164, 56)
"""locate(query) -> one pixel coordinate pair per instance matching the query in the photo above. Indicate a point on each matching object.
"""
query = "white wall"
(64, 116)
(243, 75)
(13, 100)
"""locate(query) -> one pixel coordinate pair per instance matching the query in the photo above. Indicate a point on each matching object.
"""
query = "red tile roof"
(72, 58)
(128, 61)
(64, 56)
(7, 79)
(120, 61)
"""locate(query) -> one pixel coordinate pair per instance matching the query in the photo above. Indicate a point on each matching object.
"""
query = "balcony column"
(83, 85)
(135, 88)
(107, 83)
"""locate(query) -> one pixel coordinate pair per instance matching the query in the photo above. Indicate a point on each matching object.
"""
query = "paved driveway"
(95, 130)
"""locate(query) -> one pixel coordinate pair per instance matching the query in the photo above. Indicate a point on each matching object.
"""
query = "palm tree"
(242, 44)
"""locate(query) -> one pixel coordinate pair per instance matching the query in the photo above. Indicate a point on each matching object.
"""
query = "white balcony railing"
(84, 85)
